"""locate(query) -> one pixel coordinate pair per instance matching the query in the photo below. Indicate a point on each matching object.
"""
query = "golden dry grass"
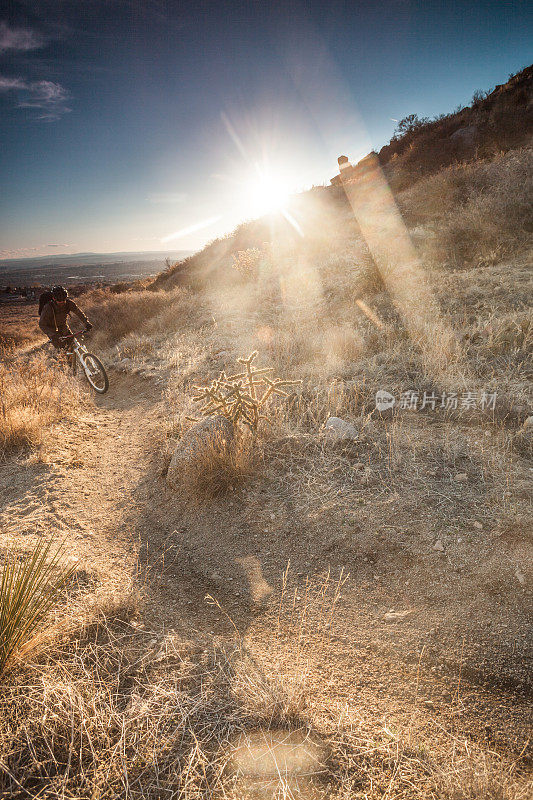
(147, 312)
(214, 470)
(474, 213)
(123, 711)
(34, 394)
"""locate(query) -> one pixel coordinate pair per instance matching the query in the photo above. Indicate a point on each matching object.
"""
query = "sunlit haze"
(129, 126)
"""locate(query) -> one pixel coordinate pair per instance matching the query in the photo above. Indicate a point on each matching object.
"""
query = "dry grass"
(123, 711)
(34, 393)
(18, 326)
(214, 470)
(147, 312)
(474, 213)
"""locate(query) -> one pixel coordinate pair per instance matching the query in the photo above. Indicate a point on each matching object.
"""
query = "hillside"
(496, 121)
(473, 137)
(309, 614)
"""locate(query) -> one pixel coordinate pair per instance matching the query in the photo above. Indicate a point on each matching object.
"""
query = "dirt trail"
(80, 485)
(96, 484)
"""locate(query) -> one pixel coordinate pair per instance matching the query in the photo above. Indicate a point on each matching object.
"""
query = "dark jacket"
(53, 320)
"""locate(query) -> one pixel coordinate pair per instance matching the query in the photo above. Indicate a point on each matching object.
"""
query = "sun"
(268, 193)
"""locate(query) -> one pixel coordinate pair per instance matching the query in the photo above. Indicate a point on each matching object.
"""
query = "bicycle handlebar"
(73, 335)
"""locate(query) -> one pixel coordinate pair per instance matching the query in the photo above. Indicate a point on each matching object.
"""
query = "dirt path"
(79, 486)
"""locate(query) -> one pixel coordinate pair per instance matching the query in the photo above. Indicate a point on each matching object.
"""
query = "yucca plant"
(29, 587)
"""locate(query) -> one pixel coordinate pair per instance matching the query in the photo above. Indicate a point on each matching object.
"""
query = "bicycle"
(93, 368)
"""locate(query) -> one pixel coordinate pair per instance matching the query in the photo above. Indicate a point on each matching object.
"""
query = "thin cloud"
(19, 251)
(49, 99)
(6, 84)
(57, 245)
(20, 39)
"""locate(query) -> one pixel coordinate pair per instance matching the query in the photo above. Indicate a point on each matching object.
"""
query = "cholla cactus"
(247, 262)
(241, 397)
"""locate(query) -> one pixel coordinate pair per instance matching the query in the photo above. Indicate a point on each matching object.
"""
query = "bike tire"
(100, 389)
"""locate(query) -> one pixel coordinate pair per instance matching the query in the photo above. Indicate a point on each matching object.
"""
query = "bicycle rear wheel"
(95, 373)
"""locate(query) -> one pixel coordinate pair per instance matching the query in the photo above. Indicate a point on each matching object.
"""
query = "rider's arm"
(74, 309)
(47, 322)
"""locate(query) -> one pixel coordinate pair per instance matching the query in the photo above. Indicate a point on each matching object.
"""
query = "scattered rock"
(439, 546)
(478, 525)
(210, 432)
(368, 477)
(461, 477)
(339, 430)
(464, 136)
(528, 424)
(397, 616)
(520, 577)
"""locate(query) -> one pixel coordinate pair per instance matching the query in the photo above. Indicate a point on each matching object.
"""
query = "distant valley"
(83, 268)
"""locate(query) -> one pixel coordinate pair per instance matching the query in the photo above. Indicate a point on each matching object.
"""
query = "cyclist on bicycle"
(53, 319)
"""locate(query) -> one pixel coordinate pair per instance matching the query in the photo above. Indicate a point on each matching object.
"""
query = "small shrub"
(216, 470)
(246, 262)
(29, 588)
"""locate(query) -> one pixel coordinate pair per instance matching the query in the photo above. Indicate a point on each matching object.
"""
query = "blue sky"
(140, 125)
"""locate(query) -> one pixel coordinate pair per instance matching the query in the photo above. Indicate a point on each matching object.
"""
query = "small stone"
(529, 422)
(429, 704)
(520, 577)
(439, 546)
(461, 477)
(459, 540)
(478, 525)
(339, 430)
(397, 616)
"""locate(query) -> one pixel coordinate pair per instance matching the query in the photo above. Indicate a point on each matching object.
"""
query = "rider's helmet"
(59, 293)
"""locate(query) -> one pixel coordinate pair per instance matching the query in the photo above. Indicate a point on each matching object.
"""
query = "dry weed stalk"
(236, 397)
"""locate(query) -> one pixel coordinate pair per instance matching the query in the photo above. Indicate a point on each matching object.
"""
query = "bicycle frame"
(94, 370)
(77, 349)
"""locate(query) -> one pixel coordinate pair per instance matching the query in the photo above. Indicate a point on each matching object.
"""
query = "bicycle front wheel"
(95, 373)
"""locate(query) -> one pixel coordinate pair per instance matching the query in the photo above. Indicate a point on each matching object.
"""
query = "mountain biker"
(53, 319)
